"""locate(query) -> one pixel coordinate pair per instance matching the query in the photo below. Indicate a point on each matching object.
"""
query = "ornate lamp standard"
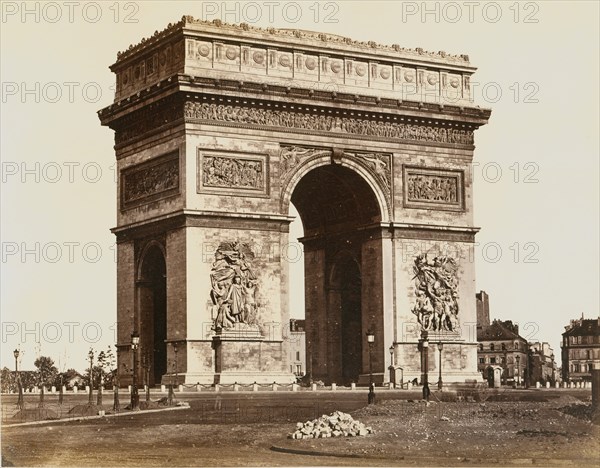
(518, 370)
(176, 350)
(90, 393)
(392, 370)
(18, 380)
(425, 363)
(116, 403)
(135, 398)
(371, 340)
(440, 346)
(146, 367)
(527, 376)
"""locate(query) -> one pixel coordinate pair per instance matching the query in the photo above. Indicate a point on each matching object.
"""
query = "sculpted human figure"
(436, 305)
(234, 285)
(250, 301)
(235, 299)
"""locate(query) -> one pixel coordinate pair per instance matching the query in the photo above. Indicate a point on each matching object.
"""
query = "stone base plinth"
(239, 332)
(458, 362)
(244, 356)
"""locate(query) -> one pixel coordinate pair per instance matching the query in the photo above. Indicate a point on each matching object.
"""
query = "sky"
(535, 169)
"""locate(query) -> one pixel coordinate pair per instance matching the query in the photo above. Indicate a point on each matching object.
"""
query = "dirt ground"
(407, 433)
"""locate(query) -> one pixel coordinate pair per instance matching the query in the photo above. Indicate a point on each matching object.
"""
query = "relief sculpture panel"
(433, 188)
(147, 182)
(233, 287)
(436, 284)
(236, 174)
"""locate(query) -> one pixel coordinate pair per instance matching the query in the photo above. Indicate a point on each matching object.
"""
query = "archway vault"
(151, 290)
(343, 271)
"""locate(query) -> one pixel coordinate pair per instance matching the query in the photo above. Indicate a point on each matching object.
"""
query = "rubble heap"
(337, 424)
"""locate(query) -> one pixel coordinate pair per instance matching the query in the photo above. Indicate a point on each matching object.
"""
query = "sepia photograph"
(234, 230)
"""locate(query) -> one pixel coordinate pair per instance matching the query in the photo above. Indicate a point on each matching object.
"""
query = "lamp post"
(518, 370)
(135, 399)
(392, 370)
(425, 363)
(176, 350)
(527, 376)
(505, 366)
(440, 346)
(90, 393)
(146, 367)
(371, 340)
(170, 395)
(116, 402)
(60, 391)
(18, 380)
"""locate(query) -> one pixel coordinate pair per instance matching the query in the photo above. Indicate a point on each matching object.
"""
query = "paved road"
(268, 406)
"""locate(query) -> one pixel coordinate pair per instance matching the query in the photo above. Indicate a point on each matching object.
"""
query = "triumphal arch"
(219, 128)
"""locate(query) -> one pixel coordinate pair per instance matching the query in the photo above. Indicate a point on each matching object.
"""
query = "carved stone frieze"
(233, 173)
(325, 123)
(150, 181)
(436, 290)
(218, 171)
(433, 188)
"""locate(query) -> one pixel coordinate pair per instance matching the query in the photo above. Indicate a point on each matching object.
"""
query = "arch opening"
(152, 297)
(341, 217)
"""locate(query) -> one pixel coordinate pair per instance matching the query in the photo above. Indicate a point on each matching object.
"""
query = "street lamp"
(91, 358)
(18, 380)
(425, 364)
(440, 347)
(371, 340)
(135, 399)
(146, 367)
(526, 370)
(392, 370)
(176, 350)
(518, 370)
(116, 402)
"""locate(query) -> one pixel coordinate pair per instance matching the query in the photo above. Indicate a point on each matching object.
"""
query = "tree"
(46, 369)
(101, 364)
(29, 379)
(46, 374)
(96, 376)
(7, 380)
(111, 364)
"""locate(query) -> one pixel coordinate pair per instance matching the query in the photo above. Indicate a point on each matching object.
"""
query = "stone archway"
(218, 128)
(151, 289)
(340, 214)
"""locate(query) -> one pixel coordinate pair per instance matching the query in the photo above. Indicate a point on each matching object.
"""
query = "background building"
(543, 367)
(500, 344)
(581, 349)
(483, 309)
(297, 356)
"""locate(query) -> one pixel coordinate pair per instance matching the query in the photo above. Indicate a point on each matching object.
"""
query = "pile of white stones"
(337, 424)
